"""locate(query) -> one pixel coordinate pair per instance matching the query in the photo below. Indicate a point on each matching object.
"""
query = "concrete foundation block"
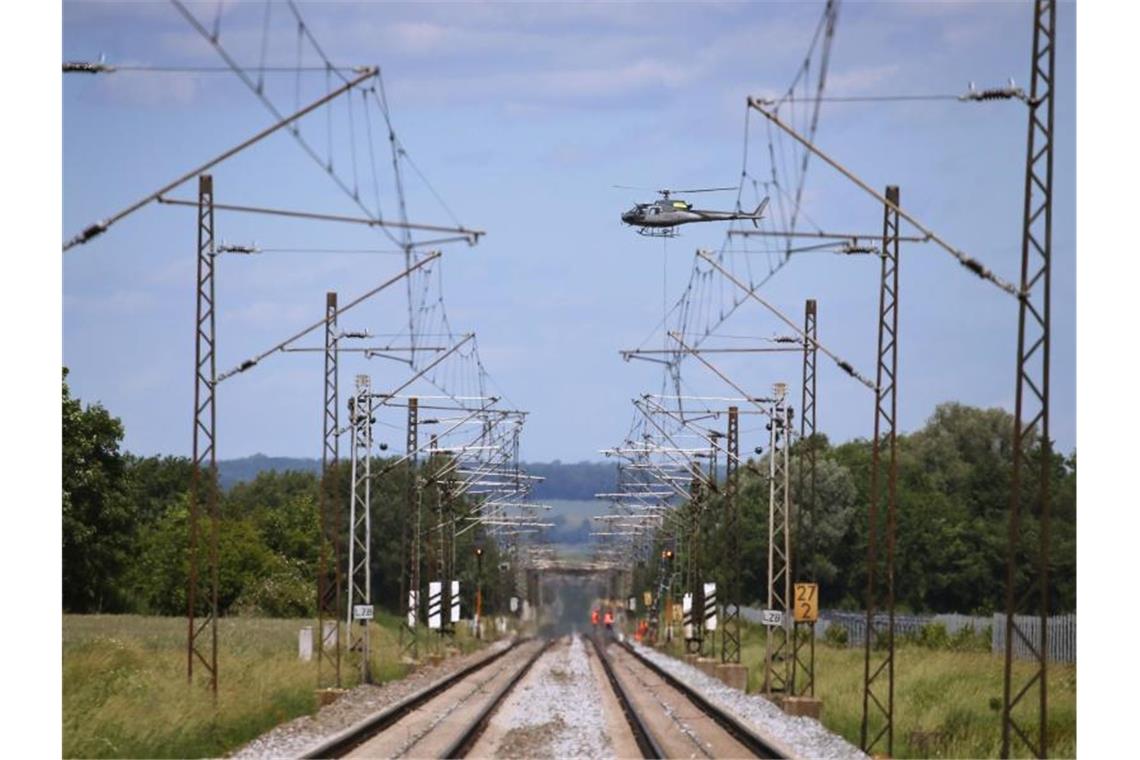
(810, 707)
(689, 659)
(707, 665)
(328, 696)
(733, 674)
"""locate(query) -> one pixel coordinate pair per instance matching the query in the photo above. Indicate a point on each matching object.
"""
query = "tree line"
(125, 520)
(125, 523)
(953, 492)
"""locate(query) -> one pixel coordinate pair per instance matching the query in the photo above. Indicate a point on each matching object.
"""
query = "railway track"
(443, 720)
(659, 709)
(448, 718)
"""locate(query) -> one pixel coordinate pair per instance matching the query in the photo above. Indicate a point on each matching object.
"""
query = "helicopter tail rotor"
(758, 214)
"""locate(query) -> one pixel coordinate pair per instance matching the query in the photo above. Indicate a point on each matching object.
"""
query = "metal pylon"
(660, 604)
(202, 594)
(360, 522)
(879, 646)
(330, 583)
(1031, 444)
(777, 654)
(730, 627)
(409, 632)
(803, 667)
(692, 582)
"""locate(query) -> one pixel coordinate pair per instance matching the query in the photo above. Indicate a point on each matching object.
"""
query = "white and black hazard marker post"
(413, 605)
(687, 629)
(454, 598)
(710, 617)
(435, 604)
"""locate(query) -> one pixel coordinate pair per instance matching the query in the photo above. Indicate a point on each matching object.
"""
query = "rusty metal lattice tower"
(1031, 444)
(730, 627)
(409, 632)
(360, 522)
(777, 654)
(692, 582)
(803, 667)
(202, 593)
(879, 644)
(330, 593)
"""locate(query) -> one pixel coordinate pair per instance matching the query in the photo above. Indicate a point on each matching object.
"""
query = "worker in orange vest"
(609, 620)
(594, 618)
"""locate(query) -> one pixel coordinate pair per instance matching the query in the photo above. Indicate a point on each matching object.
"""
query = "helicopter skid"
(662, 232)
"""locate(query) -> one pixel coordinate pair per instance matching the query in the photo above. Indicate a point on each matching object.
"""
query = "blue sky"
(523, 116)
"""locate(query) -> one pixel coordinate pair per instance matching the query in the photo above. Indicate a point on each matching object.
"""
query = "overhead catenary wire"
(970, 263)
(101, 226)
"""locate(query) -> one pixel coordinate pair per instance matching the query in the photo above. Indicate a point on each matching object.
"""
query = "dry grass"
(947, 703)
(125, 692)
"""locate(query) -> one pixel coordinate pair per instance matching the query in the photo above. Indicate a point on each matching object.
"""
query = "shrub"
(934, 636)
(836, 635)
(283, 592)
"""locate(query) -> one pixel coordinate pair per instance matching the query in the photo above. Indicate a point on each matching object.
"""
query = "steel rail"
(340, 743)
(761, 746)
(461, 746)
(646, 741)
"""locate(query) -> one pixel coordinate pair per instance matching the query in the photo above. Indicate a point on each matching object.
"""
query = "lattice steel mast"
(330, 594)
(777, 660)
(204, 452)
(879, 644)
(804, 685)
(360, 522)
(1031, 417)
(411, 560)
(730, 630)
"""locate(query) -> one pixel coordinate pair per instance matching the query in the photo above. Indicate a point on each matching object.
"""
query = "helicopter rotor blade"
(700, 190)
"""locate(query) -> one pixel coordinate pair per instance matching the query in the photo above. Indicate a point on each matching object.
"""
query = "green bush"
(836, 635)
(967, 640)
(283, 592)
(934, 636)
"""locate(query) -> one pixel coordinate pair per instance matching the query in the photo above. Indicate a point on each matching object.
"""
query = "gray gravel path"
(806, 735)
(293, 738)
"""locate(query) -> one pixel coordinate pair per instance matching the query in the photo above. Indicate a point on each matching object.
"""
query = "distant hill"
(234, 471)
(578, 480)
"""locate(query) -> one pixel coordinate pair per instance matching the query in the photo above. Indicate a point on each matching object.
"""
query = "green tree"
(97, 522)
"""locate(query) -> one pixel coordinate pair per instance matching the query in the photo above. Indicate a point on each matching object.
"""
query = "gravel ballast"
(806, 736)
(555, 711)
(292, 739)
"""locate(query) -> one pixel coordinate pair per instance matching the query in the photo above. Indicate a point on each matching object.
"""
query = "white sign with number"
(772, 617)
(362, 612)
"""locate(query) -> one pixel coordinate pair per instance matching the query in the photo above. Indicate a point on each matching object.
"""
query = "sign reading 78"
(807, 602)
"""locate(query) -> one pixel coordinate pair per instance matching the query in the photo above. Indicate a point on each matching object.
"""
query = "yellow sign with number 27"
(807, 602)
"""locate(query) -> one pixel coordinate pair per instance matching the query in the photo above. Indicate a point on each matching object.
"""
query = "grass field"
(125, 692)
(947, 703)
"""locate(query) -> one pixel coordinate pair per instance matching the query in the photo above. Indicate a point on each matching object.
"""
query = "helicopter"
(660, 218)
